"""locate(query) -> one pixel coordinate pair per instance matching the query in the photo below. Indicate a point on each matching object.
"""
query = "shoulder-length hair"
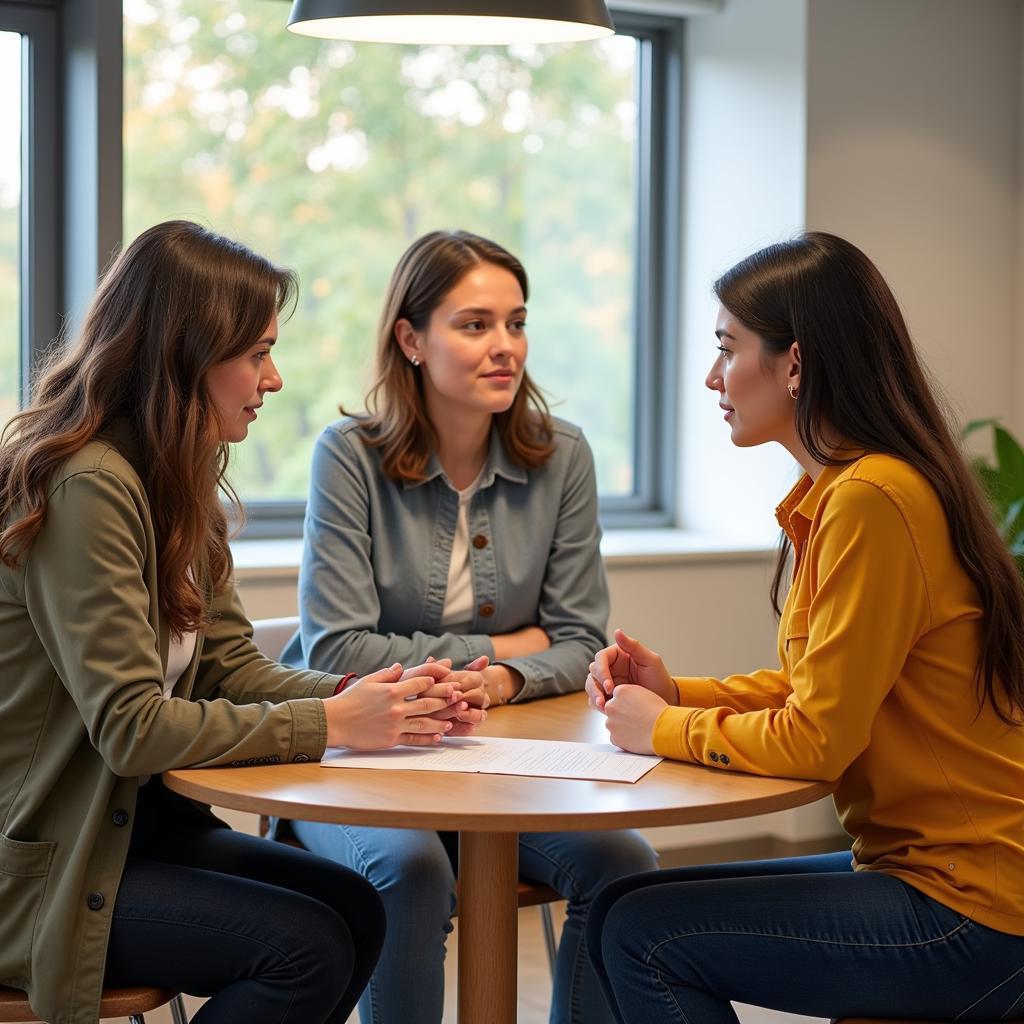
(177, 301)
(861, 382)
(397, 420)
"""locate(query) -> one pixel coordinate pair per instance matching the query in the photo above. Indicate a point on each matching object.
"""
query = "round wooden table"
(489, 811)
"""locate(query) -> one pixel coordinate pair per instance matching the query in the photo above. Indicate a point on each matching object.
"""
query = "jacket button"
(713, 756)
(486, 610)
(300, 758)
(120, 818)
(479, 541)
(724, 759)
(95, 901)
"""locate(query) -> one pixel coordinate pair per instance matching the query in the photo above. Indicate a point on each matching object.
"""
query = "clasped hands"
(415, 706)
(629, 684)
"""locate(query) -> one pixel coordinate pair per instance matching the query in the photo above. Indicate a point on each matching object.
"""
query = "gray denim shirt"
(376, 555)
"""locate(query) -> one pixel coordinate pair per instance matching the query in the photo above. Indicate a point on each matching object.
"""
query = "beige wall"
(913, 152)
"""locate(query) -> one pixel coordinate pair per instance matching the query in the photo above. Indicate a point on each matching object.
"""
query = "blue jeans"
(273, 935)
(806, 935)
(414, 871)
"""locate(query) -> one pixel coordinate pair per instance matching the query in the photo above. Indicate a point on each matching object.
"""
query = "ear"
(409, 340)
(793, 366)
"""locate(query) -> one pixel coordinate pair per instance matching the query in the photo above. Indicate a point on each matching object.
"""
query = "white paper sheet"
(491, 755)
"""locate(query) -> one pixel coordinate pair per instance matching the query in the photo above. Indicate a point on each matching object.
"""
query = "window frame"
(39, 204)
(79, 113)
(656, 308)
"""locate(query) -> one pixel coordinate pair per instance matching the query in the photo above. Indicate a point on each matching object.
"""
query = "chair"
(115, 1002)
(270, 636)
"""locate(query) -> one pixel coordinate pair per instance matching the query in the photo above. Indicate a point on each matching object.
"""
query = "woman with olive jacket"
(124, 652)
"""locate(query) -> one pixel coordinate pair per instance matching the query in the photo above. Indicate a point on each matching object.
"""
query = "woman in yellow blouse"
(901, 677)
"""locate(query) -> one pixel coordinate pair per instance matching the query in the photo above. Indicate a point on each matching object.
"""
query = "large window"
(331, 157)
(10, 223)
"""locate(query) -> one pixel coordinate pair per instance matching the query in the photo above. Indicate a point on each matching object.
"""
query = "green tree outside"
(330, 157)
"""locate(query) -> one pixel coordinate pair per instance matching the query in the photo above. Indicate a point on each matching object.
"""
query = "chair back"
(271, 635)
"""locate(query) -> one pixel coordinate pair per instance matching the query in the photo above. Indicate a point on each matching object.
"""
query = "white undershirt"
(458, 598)
(179, 654)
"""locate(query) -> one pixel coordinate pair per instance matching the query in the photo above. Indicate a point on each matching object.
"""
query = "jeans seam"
(804, 938)
(672, 996)
(994, 988)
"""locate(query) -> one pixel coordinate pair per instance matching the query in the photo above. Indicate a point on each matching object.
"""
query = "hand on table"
(392, 706)
(628, 661)
(470, 710)
(630, 714)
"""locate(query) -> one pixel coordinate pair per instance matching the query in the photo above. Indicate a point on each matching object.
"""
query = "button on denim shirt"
(377, 551)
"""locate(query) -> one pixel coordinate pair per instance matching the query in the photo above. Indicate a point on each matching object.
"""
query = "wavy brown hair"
(175, 302)
(397, 422)
(861, 381)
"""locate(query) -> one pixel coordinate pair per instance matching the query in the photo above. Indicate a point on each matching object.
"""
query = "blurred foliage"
(331, 157)
(1003, 482)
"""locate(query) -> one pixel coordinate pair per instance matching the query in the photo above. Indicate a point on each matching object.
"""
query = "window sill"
(277, 559)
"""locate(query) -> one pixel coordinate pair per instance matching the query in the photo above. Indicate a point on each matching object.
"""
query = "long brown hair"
(398, 423)
(175, 302)
(861, 381)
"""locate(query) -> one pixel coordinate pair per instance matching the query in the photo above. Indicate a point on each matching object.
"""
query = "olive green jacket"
(83, 650)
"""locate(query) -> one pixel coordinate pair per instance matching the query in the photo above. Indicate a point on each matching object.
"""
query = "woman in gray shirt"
(458, 520)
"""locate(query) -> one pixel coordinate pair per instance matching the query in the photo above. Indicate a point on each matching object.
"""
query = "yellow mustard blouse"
(878, 646)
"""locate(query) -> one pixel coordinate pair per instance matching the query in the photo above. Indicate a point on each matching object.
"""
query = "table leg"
(488, 926)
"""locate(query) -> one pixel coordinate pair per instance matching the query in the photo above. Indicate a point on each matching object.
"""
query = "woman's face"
(473, 350)
(753, 389)
(237, 386)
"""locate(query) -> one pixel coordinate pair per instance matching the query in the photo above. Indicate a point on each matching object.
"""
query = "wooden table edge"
(189, 783)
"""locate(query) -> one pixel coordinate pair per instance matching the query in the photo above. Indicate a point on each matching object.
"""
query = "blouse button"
(479, 541)
(486, 610)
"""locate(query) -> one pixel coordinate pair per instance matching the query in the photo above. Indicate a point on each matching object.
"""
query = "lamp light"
(477, 22)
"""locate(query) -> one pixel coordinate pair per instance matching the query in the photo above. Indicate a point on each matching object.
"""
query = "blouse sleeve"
(869, 609)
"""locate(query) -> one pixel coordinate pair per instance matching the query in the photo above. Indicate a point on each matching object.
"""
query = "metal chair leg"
(178, 1014)
(136, 1018)
(549, 936)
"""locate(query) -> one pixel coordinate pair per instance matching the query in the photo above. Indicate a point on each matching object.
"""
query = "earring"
(793, 392)
(414, 360)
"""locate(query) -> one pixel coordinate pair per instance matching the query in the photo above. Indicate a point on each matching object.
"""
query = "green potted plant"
(1003, 482)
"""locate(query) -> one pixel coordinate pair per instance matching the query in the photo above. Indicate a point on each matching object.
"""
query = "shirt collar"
(498, 464)
(797, 510)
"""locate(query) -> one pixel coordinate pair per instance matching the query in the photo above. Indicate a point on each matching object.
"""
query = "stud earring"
(414, 360)
(793, 392)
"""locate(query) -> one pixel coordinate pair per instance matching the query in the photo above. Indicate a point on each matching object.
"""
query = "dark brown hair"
(862, 382)
(397, 422)
(177, 301)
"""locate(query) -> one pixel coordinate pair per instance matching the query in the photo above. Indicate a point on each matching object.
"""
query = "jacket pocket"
(24, 869)
(797, 631)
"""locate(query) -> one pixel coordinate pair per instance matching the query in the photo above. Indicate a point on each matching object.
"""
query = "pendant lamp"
(478, 22)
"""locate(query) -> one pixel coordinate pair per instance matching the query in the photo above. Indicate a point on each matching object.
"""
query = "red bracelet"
(345, 680)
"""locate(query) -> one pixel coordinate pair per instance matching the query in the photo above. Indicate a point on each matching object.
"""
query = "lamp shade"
(478, 22)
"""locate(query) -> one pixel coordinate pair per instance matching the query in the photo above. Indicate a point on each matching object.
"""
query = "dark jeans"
(270, 933)
(806, 935)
